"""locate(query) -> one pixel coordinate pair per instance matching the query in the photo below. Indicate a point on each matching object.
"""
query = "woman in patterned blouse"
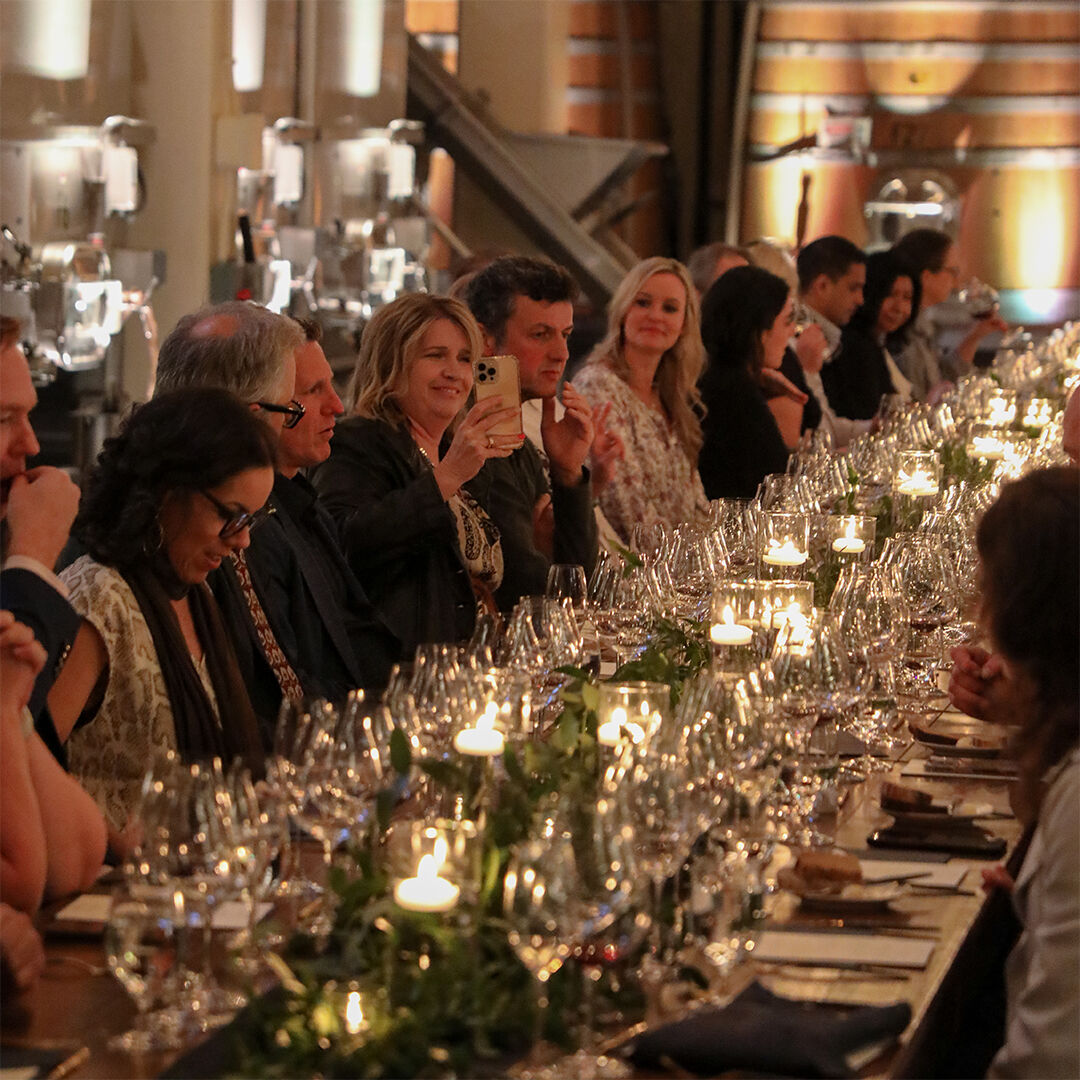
(647, 368)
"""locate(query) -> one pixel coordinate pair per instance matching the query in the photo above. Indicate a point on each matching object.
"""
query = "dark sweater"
(857, 378)
(742, 442)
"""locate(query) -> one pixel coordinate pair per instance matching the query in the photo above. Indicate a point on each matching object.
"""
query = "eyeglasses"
(235, 519)
(294, 411)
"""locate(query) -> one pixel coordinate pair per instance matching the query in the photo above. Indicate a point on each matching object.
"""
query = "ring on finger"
(490, 442)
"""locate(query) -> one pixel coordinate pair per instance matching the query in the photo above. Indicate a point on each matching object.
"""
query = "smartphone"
(498, 375)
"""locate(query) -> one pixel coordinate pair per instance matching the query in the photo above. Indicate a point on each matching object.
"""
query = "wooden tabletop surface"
(77, 1004)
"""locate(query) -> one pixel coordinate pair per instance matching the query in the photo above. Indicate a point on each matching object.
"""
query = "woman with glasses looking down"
(152, 669)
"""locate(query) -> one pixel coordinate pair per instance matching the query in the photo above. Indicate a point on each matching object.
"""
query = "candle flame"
(354, 1013)
(439, 851)
(728, 615)
(850, 532)
(487, 721)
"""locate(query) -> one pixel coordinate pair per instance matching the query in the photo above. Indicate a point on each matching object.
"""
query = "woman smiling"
(646, 369)
(423, 549)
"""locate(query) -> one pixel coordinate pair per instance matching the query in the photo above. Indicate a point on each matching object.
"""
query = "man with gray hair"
(237, 346)
(251, 352)
(708, 263)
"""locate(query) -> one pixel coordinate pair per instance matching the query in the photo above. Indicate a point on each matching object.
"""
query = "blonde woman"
(423, 549)
(647, 368)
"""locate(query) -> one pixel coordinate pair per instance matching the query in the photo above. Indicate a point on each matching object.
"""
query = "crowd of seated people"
(242, 541)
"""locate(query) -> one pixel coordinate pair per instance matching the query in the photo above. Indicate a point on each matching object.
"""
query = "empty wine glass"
(140, 947)
(566, 581)
(540, 893)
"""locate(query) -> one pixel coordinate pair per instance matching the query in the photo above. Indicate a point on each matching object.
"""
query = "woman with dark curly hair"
(152, 668)
(1029, 549)
(746, 320)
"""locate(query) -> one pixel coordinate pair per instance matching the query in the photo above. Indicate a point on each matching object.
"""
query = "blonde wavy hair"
(390, 344)
(680, 367)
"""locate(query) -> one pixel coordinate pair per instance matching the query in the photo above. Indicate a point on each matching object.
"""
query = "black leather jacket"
(397, 532)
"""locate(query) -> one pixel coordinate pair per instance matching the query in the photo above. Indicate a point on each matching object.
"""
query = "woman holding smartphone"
(423, 549)
(647, 369)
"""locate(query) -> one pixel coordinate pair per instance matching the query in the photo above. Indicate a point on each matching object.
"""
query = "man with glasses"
(249, 351)
(330, 627)
(308, 628)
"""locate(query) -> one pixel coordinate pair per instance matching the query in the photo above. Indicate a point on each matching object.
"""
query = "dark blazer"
(508, 489)
(857, 378)
(33, 601)
(397, 532)
(742, 442)
(322, 620)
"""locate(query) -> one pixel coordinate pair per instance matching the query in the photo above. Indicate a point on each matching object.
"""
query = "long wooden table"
(73, 1008)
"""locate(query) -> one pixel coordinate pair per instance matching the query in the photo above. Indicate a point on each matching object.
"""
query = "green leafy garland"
(443, 995)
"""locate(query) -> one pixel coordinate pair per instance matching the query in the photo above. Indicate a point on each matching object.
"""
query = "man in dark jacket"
(329, 627)
(37, 507)
(525, 307)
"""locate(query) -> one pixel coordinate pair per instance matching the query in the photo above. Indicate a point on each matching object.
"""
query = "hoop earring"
(155, 540)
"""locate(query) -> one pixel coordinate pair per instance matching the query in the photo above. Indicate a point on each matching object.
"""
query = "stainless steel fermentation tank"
(66, 193)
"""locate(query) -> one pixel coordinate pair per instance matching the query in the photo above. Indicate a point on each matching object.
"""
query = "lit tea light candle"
(1002, 412)
(728, 632)
(354, 1013)
(986, 446)
(609, 733)
(1039, 413)
(791, 614)
(920, 484)
(785, 554)
(484, 740)
(849, 543)
(427, 891)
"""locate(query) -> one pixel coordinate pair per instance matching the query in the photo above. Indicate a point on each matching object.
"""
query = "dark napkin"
(762, 1032)
(44, 1059)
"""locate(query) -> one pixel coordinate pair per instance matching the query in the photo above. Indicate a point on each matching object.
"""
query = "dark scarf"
(199, 735)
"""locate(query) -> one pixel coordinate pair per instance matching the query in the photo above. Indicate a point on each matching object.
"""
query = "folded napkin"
(765, 1033)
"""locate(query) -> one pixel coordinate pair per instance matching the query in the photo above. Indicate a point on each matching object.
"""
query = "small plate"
(947, 750)
(853, 899)
(961, 815)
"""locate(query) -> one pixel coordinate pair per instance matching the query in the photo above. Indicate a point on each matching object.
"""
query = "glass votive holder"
(785, 543)
(730, 630)
(777, 603)
(506, 694)
(1037, 413)
(629, 712)
(999, 407)
(851, 538)
(986, 442)
(477, 731)
(916, 487)
(434, 864)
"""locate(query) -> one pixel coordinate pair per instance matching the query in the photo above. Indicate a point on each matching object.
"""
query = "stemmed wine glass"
(140, 946)
(566, 582)
(540, 897)
(929, 589)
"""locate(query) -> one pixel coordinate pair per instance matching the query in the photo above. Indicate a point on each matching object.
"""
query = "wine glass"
(140, 947)
(540, 894)
(566, 581)
(930, 592)
(648, 782)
